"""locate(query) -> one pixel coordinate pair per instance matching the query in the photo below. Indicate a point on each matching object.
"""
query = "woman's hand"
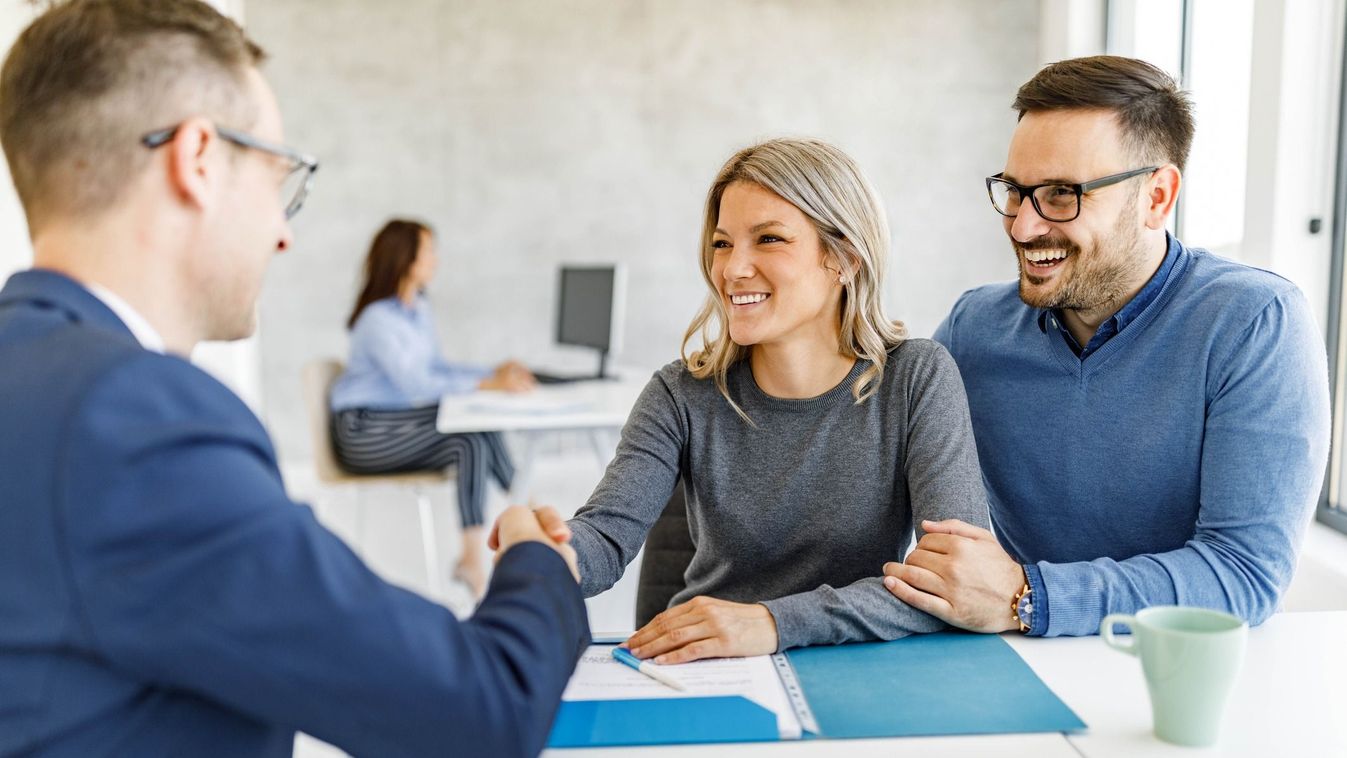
(705, 627)
(510, 377)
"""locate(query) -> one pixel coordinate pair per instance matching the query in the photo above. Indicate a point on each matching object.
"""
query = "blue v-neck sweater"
(1177, 463)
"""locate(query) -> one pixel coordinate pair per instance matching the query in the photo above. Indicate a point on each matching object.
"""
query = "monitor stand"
(603, 366)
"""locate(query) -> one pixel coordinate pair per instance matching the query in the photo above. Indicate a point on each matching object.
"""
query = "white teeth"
(746, 299)
(1039, 256)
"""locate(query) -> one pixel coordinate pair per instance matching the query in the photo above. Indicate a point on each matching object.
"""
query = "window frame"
(1328, 512)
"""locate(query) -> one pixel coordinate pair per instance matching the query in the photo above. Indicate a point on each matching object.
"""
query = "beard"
(1098, 277)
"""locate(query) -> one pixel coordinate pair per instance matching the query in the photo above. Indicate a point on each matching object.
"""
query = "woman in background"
(385, 404)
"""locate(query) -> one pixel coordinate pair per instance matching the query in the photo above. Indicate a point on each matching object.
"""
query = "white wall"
(15, 251)
(1070, 29)
(534, 133)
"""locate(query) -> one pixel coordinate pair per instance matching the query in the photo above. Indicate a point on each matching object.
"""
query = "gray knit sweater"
(801, 512)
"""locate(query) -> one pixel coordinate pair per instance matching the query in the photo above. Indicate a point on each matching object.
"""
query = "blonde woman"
(809, 434)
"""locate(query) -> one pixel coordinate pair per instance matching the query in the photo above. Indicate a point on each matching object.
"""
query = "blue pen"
(624, 656)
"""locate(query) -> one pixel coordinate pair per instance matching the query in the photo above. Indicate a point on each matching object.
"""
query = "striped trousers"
(385, 442)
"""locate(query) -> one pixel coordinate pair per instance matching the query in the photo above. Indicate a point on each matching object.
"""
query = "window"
(1219, 70)
(1206, 45)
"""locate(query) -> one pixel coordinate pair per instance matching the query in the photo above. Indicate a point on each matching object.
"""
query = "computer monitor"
(589, 309)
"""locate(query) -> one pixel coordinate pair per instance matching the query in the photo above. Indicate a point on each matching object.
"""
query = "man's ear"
(1162, 192)
(190, 171)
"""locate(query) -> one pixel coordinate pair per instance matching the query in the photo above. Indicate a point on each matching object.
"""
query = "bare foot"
(471, 569)
(471, 573)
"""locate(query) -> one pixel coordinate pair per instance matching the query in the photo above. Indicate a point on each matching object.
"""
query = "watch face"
(1025, 608)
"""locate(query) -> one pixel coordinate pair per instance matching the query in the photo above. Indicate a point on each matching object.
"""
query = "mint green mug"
(1191, 658)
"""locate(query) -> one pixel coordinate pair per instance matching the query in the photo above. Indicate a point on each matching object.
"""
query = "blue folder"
(935, 684)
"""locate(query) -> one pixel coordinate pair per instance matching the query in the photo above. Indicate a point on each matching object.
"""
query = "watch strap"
(1016, 605)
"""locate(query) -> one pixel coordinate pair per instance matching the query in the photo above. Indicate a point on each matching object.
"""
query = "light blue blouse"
(396, 362)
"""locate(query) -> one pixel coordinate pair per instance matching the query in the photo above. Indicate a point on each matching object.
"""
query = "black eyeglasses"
(298, 178)
(1053, 201)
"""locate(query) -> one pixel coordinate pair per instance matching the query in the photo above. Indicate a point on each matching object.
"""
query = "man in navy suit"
(159, 594)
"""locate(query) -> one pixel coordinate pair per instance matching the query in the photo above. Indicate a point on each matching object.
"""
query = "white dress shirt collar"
(140, 328)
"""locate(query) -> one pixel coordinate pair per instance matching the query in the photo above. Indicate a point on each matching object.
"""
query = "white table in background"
(600, 407)
(1290, 701)
(598, 404)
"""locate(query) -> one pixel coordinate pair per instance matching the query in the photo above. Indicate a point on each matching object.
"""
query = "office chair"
(668, 551)
(318, 378)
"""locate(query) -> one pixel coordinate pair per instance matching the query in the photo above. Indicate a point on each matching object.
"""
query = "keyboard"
(544, 378)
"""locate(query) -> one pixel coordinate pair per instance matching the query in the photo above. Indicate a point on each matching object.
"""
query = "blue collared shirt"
(396, 362)
(1125, 315)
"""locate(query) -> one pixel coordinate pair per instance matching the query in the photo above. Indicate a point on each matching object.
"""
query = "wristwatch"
(1022, 609)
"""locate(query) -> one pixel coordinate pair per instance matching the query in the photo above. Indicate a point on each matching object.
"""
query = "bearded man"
(1152, 420)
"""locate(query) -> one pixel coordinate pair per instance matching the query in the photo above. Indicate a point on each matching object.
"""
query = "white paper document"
(599, 677)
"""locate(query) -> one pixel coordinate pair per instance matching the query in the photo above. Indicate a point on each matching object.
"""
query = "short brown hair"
(1155, 116)
(87, 79)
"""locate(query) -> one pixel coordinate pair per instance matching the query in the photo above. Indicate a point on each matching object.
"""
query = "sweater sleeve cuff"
(791, 614)
(1077, 599)
(1038, 594)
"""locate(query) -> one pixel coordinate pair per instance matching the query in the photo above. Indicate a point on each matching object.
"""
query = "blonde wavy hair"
(829, 188)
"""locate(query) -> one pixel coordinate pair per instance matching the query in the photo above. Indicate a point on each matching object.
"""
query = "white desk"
(1291, 701)
(600, 407)
(598, 404)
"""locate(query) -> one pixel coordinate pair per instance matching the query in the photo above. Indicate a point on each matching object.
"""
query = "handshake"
(521, 524)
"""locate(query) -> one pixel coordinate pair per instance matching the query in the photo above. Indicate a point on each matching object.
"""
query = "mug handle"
(1106, 632)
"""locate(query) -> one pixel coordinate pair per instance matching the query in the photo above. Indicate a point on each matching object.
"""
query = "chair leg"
(429, 544)
(523, 473)
(598, 443)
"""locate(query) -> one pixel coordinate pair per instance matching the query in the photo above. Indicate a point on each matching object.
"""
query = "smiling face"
(1093, 262)
(768, 267)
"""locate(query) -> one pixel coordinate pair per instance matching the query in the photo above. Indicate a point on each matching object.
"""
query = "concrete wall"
(533, 133)
(15, 251)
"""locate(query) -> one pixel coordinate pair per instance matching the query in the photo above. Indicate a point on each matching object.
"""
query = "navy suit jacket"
(160, 594)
